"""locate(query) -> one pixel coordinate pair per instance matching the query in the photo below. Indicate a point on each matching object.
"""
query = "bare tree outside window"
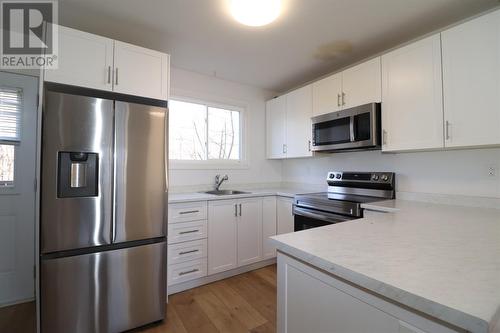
(201, 132)
(6, 164)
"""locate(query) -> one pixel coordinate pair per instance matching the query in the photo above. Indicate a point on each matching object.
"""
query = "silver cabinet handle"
(187, 252)
(384, 137)
(235, 210)
(189, 272)
(343, 98)
(285, 148)
(188, 232)
(309, 145)
(240, 209)
(338, 99)
(189, 212)
(447, 130)
(116, 76)
(109, 74)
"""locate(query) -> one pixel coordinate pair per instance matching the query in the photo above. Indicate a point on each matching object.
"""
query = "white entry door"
(18, 98)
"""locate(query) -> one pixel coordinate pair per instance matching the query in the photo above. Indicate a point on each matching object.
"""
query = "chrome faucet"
(219, 181)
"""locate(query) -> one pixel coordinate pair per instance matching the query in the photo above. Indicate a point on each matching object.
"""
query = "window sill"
(207, 165)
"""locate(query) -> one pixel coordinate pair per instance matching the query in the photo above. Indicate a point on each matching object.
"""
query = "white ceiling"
(309, 39)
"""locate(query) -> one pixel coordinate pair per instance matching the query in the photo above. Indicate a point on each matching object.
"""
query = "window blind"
(11, 107)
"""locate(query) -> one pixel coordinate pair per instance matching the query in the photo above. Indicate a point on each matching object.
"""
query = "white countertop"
(198, 196)
(442, 260)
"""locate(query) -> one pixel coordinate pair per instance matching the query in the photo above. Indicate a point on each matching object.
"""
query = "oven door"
(353, 128)
(306, 218)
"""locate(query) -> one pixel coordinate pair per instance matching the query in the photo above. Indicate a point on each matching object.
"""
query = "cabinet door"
(326, 95)
(249, 231)
(222, 233)
(298, 122)
(84, 60)
(140, 71)
(268, 226)
(412, 108)
(275, 127)
(471, 81)
(362, 84)
(284, 216)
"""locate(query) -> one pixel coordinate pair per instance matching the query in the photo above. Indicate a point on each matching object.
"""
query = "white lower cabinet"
(187, 271)
(222, 236)
(187, 242)
(268, 226)
(284, 215)
(310, 300)
(178, 253)
(249, 226)
(234, 233)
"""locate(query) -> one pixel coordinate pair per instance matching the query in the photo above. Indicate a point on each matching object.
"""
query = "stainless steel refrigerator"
(103, 211)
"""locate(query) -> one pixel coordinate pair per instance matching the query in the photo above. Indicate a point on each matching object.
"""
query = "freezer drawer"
(109, 291)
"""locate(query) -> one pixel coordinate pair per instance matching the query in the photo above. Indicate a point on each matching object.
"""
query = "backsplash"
(454, 172)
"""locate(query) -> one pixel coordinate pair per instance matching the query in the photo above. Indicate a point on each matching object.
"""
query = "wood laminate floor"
(243, 303)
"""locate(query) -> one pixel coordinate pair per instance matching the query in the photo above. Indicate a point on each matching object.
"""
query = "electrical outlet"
(492, 171)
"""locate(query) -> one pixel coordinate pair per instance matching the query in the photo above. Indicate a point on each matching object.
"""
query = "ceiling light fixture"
(255, 13)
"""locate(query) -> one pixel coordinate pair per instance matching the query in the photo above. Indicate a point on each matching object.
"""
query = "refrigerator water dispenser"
(78, 175)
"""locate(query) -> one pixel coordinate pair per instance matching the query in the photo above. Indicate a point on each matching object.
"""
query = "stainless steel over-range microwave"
(350, 129)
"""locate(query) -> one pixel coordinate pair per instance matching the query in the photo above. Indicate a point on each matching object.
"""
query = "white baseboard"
(176, 288)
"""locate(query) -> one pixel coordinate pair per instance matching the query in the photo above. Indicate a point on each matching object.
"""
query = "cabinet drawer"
(187, 271)
(183, 232)
(183, 252)
(189, 211)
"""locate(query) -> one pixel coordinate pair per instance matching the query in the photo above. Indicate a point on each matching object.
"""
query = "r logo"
(22, 27)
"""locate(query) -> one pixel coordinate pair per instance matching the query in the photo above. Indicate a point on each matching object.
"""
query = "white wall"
(462, 172)
(193, 85)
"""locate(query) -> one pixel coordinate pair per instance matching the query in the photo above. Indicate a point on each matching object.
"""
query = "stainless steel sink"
(225, 192)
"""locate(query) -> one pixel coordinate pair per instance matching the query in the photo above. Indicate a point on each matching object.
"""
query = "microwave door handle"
(351, 129)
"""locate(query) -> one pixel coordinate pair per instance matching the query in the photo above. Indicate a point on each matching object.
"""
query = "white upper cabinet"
(298, 122)
(84, 60)
(471, 82)
(355, 86)
(327, 95)
(412, 105)
(140, 71)
(96, 62)
(362, 84)
(276, 127)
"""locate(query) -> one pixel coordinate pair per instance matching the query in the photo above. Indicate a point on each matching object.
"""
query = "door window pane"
(6, 165)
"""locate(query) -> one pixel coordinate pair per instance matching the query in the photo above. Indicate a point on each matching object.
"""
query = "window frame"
(214, 164)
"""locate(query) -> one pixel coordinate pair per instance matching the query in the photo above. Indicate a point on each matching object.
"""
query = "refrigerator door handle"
(113, 183)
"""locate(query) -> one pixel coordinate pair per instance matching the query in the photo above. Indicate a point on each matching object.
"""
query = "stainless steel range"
(346, 192)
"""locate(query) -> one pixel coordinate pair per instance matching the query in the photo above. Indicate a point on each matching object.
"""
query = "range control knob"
(331, 176)
(384, 178)
(375, 177)
(338, 176)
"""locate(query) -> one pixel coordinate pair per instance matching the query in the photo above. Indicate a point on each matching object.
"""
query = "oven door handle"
(319, 215)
